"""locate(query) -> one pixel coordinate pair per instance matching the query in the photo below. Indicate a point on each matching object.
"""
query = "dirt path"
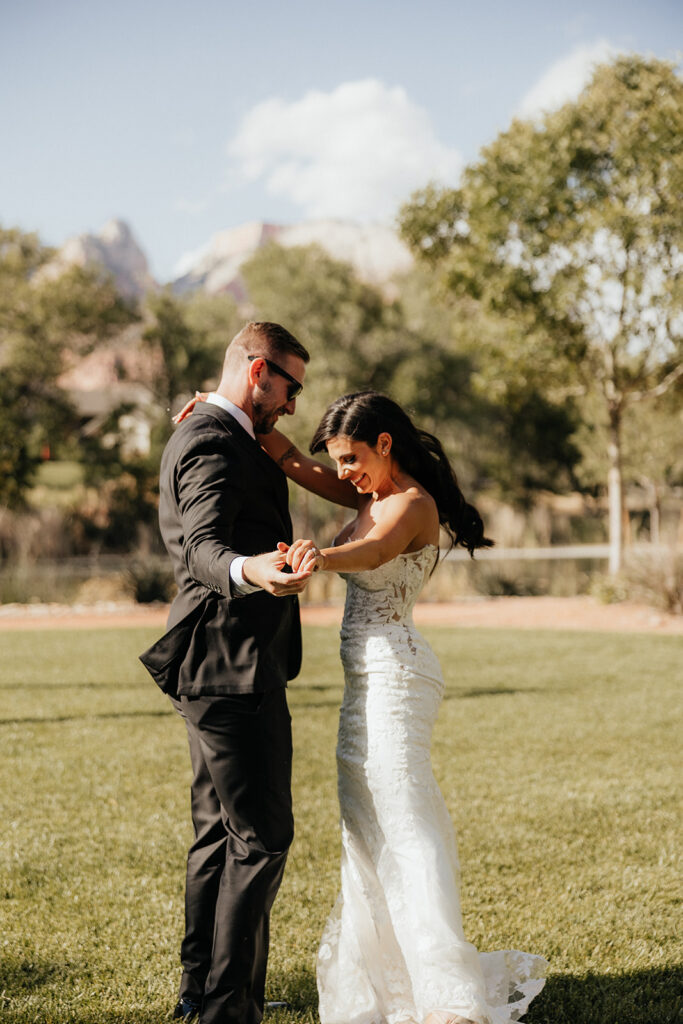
(502, 612)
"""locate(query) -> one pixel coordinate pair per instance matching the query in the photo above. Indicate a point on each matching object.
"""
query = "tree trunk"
(614, 491)
(655, 515)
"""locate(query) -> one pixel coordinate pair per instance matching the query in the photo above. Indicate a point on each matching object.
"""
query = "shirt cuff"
(238, 585)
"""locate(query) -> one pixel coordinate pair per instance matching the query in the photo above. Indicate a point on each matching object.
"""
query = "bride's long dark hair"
(364, 415)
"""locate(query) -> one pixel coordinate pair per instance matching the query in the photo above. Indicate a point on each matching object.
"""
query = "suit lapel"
(255, 452)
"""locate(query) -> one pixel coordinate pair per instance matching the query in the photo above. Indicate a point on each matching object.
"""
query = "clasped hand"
(266, 571)
(304, 556)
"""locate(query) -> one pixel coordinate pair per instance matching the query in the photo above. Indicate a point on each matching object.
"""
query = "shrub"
(655, 577)
(499, 582)
(30, 535)
(150, 580)
(608, 589)
(113, 587)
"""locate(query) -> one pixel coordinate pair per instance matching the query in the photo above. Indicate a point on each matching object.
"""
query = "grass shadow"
(56, 719)
(296, 987)
(637, 997)
(21, 978)
(315, 687)
(71, 686)
(450, 694)
(312, 705)
(491, 691)
(23, 975)
(70, 1016)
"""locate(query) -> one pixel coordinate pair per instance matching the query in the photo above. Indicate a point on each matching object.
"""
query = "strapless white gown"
(393, 948)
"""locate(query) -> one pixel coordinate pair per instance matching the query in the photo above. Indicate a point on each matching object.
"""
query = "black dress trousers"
(241, 754)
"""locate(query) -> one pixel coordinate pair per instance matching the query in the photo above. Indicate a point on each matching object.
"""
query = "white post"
(614, 495)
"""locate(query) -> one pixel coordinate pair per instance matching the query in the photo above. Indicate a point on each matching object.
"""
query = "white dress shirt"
(234, 410)
(239, 586)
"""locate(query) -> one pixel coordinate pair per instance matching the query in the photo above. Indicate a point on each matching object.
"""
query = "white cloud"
(564, 80)
(356, 152)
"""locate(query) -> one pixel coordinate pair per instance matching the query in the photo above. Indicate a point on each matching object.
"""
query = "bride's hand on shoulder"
(199, 396)
(304, 556)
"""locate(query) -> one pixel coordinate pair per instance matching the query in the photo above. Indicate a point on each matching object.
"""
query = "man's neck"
(238, 397)
(237, 411)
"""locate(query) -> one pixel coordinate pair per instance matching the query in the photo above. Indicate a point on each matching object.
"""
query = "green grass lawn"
(558, 754)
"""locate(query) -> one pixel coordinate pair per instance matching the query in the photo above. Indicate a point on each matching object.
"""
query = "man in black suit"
(233, 641)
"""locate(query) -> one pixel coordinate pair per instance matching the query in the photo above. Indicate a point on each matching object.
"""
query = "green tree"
(500, 429)
(43, 320)
(189, 337)
(652, 453)
(335, 315)
(339, 319)
(569, 233)
(415, 348)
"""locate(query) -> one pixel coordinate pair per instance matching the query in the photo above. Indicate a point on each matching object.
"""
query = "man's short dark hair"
(259, 337)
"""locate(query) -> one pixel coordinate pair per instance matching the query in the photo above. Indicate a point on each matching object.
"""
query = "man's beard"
(265, 416)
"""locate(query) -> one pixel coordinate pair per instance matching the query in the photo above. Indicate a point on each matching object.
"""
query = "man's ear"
(255, 371)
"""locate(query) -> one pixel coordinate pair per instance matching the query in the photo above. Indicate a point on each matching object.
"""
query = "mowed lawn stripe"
(557, 753)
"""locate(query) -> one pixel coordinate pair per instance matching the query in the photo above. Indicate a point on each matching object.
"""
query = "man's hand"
(266, 571)
(304, 556)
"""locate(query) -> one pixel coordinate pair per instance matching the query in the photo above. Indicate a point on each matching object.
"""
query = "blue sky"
(186, 119)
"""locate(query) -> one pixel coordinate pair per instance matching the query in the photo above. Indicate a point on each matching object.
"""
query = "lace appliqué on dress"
(393, 949)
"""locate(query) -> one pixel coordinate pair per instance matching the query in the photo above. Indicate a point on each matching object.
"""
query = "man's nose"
(290, 407)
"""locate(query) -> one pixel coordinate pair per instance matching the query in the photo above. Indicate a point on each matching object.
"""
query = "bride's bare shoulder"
(413, 494)
(413, 501)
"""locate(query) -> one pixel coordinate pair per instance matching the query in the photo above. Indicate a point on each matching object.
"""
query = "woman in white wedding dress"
(393, 950)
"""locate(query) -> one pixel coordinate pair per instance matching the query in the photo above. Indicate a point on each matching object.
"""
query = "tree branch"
(658, 389)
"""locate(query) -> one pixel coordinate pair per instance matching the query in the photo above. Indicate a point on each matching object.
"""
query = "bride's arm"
(405, 519)
(307, 472)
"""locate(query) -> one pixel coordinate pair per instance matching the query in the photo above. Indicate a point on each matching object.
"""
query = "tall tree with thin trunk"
(570, 230)
(44, 320)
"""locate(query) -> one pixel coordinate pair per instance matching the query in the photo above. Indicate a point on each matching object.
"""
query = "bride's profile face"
(367, 467)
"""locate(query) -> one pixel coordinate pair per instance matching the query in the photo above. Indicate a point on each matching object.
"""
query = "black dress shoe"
(186, 1010)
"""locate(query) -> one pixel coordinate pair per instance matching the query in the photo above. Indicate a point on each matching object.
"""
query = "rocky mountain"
(119, 370)
(375, 251)
(115, 249)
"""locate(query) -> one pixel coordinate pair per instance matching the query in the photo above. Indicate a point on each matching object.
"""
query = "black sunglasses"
(294, 388)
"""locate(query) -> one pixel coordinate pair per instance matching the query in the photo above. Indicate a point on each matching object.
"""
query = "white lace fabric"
(393, 949)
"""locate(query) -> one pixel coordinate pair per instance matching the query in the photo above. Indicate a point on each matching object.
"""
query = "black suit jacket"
(221, 496)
